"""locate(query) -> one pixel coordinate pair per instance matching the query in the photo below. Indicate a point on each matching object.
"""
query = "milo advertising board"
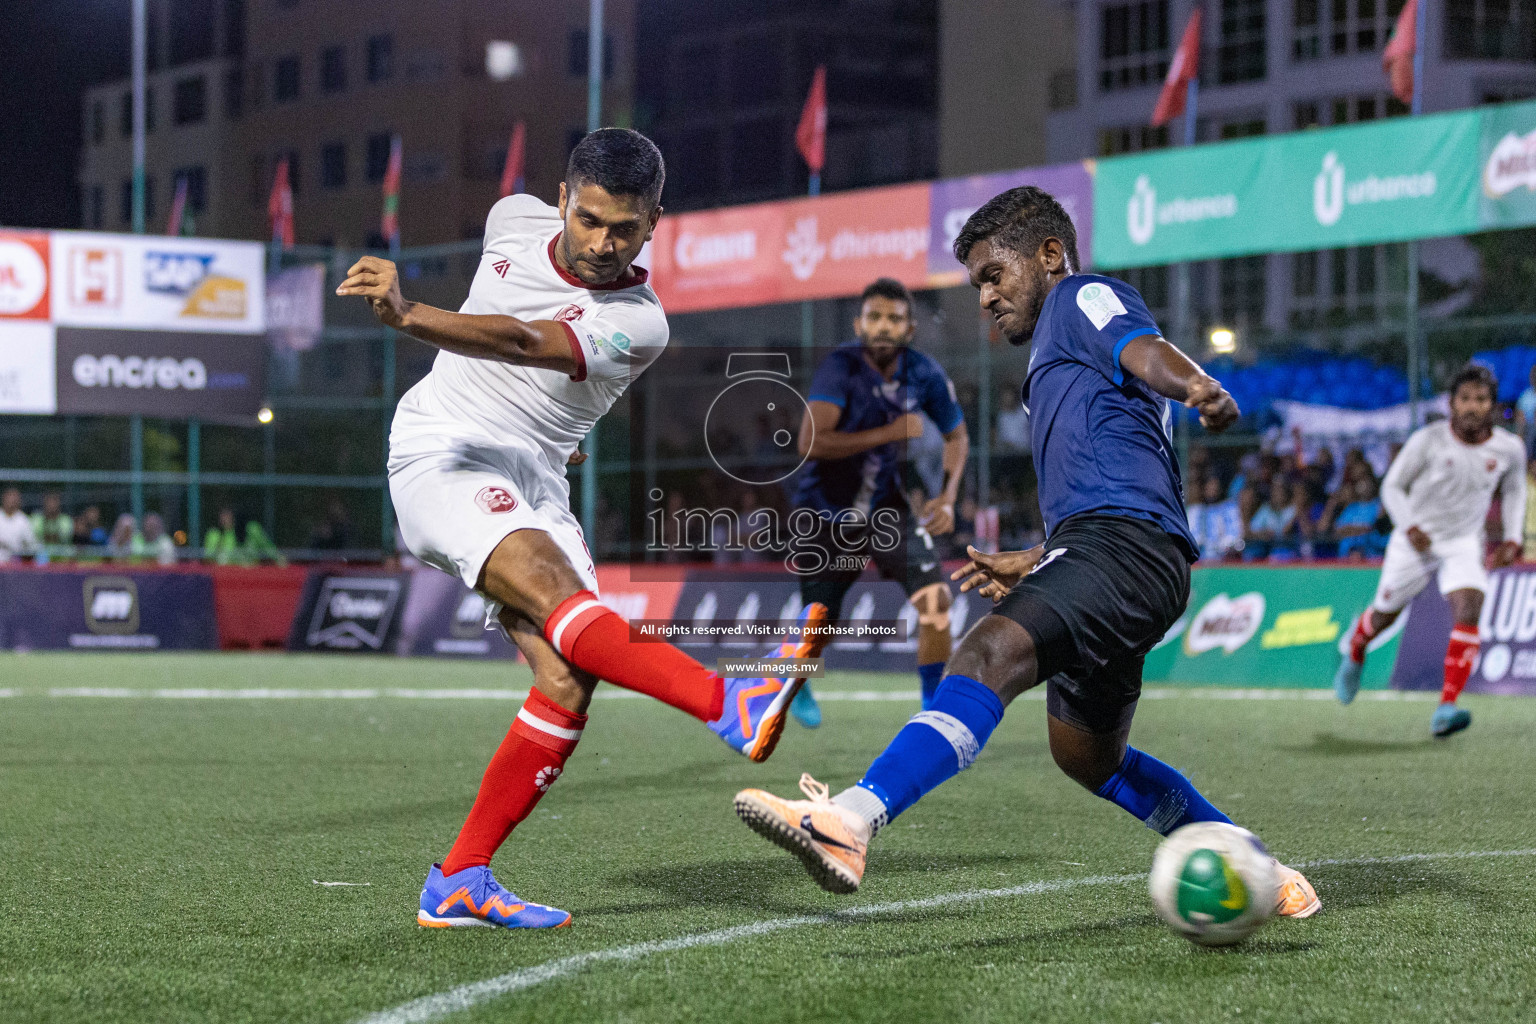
(1270, 627)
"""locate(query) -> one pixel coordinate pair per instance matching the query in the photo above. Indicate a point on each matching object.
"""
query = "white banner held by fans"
(153, 283)
(1374, 431)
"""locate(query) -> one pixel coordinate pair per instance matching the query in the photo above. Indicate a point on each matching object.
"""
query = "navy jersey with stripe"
(1102, 438)
(867, 400)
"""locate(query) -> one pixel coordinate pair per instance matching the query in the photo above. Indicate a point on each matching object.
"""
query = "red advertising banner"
(24, 275)
(794, 250)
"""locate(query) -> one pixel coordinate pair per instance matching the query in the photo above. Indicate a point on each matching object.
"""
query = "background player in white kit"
(1438, 492)
(557, 323)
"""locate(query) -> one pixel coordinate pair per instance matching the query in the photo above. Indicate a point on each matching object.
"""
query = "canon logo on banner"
(140, 372)
(709, 250)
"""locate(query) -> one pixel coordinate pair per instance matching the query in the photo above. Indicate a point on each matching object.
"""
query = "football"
(1214, 883)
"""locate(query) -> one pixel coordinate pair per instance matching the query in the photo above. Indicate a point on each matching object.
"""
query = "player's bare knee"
(529, 573)
(1466, 606)
(1086, 759)
(998, 653)
(570, 688)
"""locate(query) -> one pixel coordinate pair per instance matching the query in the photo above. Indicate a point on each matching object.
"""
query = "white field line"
(835, 696)
(464, 997)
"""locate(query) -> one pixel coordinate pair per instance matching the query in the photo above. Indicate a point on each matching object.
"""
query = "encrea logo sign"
(139, 372)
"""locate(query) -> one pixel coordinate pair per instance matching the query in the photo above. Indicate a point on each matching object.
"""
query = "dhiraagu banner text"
(1270, 627)
(1361, 184)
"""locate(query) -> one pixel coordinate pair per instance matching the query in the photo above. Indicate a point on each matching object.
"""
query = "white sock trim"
(955, 731)
(533, 721)
(557, 635)
(866, 805)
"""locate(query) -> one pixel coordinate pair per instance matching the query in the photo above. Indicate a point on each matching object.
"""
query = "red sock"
(1362, 635)
(1459, 656)
(596, 640)
(526, 764)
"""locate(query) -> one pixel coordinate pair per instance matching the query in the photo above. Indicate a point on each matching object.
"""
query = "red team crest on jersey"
(570, 313)
(1492, 465)
(495, 500)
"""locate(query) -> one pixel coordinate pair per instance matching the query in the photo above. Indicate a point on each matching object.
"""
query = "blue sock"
(932, 675)
(933, 746)
(1157, 794)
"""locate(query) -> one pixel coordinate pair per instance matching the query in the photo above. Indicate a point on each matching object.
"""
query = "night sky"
(53, 50)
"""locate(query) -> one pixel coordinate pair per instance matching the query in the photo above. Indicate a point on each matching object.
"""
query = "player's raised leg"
(529, 573)
(1409, 565)
(933, 603)
(1460, 655)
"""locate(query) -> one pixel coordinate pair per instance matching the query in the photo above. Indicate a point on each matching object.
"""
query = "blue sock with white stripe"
(933, 746)
(1157, 794)
(932, 675)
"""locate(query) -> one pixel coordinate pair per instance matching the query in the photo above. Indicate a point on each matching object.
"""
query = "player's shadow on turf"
(1326, 744)
(1343, 886)
(756, 884)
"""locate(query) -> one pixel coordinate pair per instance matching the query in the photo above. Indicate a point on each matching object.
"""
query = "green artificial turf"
(160, 858)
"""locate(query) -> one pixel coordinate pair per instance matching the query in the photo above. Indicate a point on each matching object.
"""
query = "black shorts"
(1107, 590)
(914, 562)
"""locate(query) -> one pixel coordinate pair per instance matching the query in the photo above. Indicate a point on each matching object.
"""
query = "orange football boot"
(1297, 897)
(830, 840)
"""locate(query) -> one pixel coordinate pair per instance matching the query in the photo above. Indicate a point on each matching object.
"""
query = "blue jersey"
(1102, 439)
(871, 479)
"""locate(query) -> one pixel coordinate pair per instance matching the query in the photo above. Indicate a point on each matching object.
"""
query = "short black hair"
(1020, 219)
(1476, 373)
(620, 161)
(888, 288)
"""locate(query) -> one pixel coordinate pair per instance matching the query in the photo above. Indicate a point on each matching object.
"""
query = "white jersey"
(615, 333)
(1444, 486)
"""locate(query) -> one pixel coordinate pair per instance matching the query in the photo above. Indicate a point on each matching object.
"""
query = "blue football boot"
(1346, 681)
(753, 719)
(1449, 720)
(473, 898)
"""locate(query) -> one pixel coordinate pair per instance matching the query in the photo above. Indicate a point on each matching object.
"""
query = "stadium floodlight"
(503, 60)
(264, 415)
(1223, 340)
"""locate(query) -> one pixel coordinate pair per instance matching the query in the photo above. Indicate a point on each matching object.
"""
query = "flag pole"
(1183, 316)
(1418, 350)
(594, 122)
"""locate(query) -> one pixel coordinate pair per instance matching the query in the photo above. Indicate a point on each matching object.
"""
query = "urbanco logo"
(1141, 212)
(1328, 191)
(1333, 192)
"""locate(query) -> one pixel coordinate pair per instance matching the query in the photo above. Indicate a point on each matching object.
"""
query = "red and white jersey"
(1444, 486)
(615, 332)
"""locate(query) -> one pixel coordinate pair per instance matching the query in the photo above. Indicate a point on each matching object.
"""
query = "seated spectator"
(1217, 524)
(120, 543)
(54, 530)
(222, 544)
(16, 537)
(89, 533)
(1273, 531)
(1247, 475)
(154, 542)
(1355, 525)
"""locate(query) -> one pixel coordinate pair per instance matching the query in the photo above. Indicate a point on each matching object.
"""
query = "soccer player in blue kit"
(1080, 611)
(863, 407)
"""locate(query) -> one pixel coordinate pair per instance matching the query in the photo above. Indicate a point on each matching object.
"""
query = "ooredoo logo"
(24, 276)
(139, 372)
(495, 500)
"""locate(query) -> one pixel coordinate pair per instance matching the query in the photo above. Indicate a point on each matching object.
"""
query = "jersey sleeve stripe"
(1114, 357)
(576, 352)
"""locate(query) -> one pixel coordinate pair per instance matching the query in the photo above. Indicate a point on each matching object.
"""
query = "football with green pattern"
(1214, 883)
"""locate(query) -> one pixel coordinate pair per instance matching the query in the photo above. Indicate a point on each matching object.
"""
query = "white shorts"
(456, 499)
(1405, 572)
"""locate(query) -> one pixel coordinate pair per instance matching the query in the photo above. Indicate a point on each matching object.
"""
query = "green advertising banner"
(1270, 627)
(1387, 181)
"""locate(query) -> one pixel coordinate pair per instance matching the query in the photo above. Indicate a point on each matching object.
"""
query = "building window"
(333, 69)
(197, 187)
(1490, 29)
(1131, 139)
(576, 54)
(1231, 127)
(1061, 92)
(189, 100)
(1133, 50)
(1242, 290)
(1339, 287)
(1240, 56)
(285, 79)
(95, 207)
(234, 93)
(381, 58)
(125, 115)
(192, 32)
(378, 155)
(234, 28)
(333, 165)
(1152, 284)
(1322, 28)
(1346, 110)
(98, 123)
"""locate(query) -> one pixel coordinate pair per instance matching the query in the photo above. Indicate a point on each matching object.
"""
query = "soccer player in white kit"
(557, 323)
(1438, 492)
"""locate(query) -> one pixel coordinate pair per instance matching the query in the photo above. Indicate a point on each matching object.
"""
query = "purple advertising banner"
(110, 610)
(445, 619)
(952, 200)
(1508, 629)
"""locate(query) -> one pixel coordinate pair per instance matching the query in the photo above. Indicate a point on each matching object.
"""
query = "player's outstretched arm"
(1174, 375)
(502, 339)
(820, 438)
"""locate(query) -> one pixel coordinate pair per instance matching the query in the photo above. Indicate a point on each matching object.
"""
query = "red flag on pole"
(178, 207)
(512, 171)
(1397, 58)
(1183, 70)
(280, 207)
(389, 225)
(811, 135)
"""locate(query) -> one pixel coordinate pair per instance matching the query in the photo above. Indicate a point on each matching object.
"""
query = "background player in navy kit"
(862, 408)
(1080, 611)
